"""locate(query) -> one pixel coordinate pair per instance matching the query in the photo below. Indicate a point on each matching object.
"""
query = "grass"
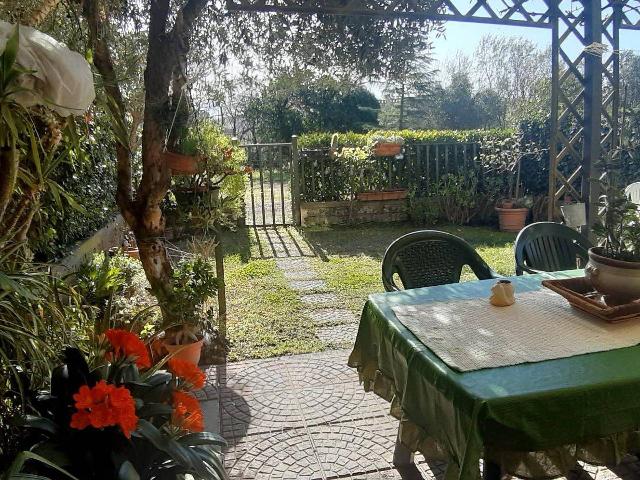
(266, 317)
(350, 258)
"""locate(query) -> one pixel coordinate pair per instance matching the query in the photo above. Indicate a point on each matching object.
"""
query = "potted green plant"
(504, 156)
(195, 286)
(614, 266)
(386, 146)
(183, 164)
(112, 403)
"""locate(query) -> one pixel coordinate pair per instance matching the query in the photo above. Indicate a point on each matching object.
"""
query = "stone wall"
(345, 212)
(109, 236)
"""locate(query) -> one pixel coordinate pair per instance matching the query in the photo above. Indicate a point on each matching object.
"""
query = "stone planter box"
(356, 212)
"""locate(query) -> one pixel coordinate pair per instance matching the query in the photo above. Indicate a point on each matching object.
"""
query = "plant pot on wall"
(370, 196)
(395, 194)
(512, 219)
(183, 164)
(387, 149)
(392, 194)
(616, 278)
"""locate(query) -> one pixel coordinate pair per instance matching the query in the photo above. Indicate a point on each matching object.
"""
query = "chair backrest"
(633, 191)
(549, 247)
(429, 257)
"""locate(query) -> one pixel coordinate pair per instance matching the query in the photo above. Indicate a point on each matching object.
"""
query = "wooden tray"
(581, 295)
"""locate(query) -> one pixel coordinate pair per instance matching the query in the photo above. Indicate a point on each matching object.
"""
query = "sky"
(465, 37)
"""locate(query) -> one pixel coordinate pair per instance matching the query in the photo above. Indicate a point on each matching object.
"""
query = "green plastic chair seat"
(549, 247)
(430, 257)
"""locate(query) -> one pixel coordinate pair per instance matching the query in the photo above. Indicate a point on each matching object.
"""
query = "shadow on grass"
(372, 240)
(369, 240)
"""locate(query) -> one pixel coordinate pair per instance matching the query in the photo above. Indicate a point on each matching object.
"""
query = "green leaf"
(40, 423)
(127, 472)
(202, 438)
(154, 409)
(10, 51)
(166, 444)
(16, 467)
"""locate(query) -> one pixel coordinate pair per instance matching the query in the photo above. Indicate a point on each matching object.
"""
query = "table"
(534, 420)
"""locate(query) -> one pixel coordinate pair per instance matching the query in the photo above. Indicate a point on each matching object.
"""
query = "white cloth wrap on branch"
(61, 79)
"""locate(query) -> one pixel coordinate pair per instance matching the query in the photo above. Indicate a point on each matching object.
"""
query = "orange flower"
(104, 405)
(187, 414)
(189, 372)
(128, 345)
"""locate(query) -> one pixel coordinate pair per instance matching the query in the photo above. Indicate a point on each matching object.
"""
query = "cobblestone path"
(306, 416)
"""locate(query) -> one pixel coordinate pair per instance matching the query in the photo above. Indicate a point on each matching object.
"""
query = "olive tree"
(176, 36)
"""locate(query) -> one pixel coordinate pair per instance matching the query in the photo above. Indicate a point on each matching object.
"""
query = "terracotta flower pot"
(617, 278)
(132, 253)
(183, 164)
(512, 219)
(396, 194)
(369, 196)
(387, 149)
(189, 352)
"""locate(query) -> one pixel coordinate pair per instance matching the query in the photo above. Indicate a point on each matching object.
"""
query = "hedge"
(320, 140)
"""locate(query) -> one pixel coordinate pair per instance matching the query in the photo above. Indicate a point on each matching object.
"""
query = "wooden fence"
(325, 178)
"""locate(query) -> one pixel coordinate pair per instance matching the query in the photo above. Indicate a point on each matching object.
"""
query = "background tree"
(179, 36)
(409, 93)
(301, 101)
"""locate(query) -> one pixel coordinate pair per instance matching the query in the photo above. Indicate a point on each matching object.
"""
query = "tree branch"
(104, 63)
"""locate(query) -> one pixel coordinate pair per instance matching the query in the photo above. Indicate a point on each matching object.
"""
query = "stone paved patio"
(306, 416)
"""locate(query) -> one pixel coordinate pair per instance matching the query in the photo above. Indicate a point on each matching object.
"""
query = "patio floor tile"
(254, 375)
(306, 417)
(307, 285)
(320, 299)
(263, 412)
(285, 455)
(339, 335)
(340, 403)
(333, 316)
(297, 275)
(317, 369)
(356, 447)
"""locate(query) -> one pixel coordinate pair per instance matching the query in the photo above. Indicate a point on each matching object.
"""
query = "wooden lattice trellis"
(585, 87)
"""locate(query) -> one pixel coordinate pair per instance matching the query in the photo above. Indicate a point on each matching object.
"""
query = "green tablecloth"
(536, 419)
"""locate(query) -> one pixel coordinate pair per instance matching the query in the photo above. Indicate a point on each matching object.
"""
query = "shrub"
(321, 140)
(90, 179)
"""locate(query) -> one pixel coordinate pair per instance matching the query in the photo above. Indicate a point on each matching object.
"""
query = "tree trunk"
(9, 161)
(165, 58)
(38, 15)
(401, 119)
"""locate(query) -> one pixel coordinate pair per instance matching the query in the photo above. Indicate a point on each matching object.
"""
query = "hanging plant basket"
(383, 149)
(183, 164)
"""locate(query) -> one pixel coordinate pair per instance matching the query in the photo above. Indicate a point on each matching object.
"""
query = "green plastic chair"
(549, 247)
(430, 257)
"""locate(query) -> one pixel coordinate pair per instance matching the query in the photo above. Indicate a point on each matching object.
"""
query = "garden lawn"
(265, 316)
(349, 259)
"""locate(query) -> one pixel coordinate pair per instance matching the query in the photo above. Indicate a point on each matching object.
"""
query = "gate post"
(295, 181)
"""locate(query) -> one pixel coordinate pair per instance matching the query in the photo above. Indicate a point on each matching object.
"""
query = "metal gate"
(271, 197)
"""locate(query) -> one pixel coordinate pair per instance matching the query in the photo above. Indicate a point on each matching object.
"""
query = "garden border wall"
(111, 235)
(345, 212)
